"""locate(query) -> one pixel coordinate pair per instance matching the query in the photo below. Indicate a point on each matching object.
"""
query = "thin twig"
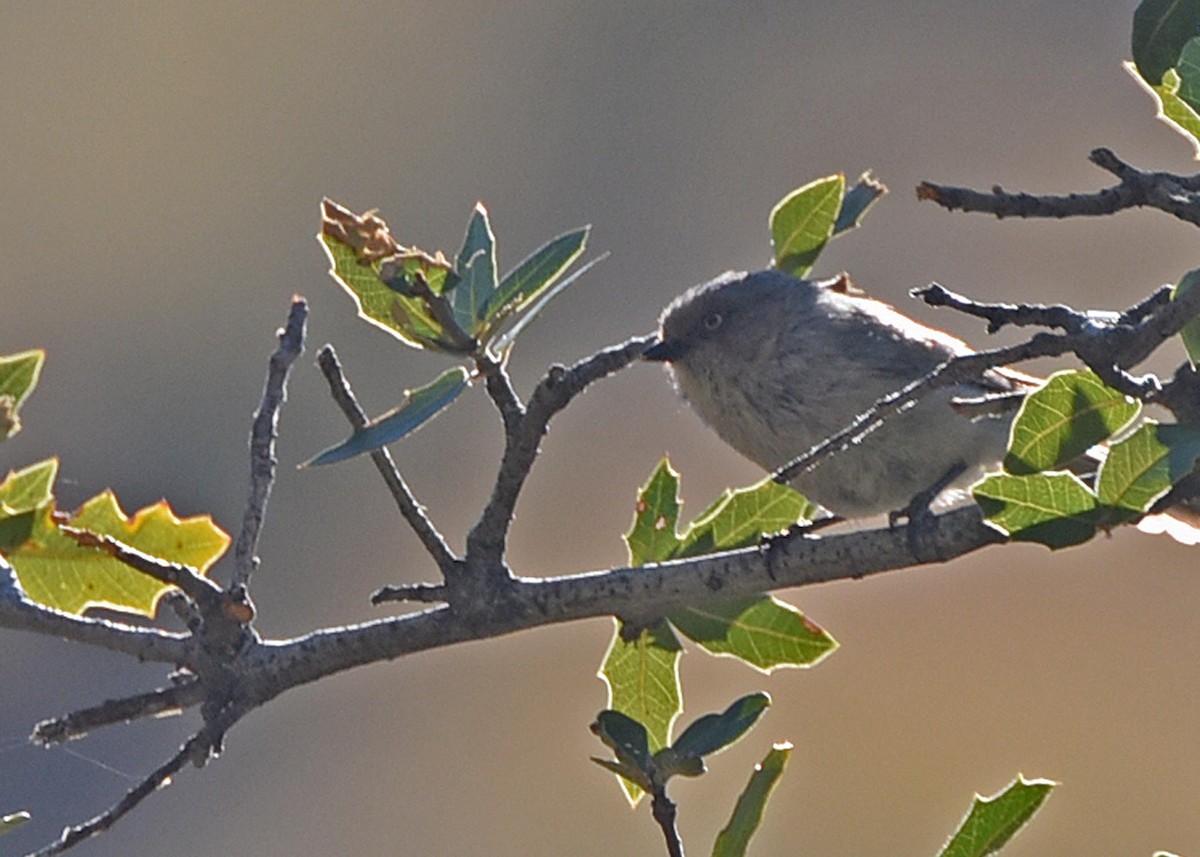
(413, 512)
(664, 812)
(262, 441)
(486, 540)
(77, 724)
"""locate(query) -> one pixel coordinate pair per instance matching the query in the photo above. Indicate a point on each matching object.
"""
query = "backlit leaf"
(760, 630)
(734, 839)
(993, 821)
(1191, 331)
(476, 269)
(19, 374)
(1053, 509)
(1160, 30)
(1144, 466)
(802, 222)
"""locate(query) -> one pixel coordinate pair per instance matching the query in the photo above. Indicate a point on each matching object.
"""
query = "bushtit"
(776, 364)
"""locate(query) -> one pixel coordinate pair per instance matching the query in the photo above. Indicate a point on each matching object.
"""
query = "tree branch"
(262, 441)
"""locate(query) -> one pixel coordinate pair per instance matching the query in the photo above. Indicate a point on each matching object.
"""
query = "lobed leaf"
(714, 732)
(22, 494)
(19, 375)
(993, 821)
(641, 670)
(734, 838)
(1161, 28)
(1191, 331)
(1143, 467)
(1053, 509)
(54, 570)
(759, 630)
(1072, 412)
(652, 537)
(803, 221)
(419, 407)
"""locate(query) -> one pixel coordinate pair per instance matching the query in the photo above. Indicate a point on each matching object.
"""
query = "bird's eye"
(713, 320)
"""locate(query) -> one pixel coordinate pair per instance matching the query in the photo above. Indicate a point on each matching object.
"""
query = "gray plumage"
(775, 364)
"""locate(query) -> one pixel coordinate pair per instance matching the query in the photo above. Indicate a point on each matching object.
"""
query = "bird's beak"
(663, 351)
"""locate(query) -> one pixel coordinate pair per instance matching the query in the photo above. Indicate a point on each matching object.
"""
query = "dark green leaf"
(1071, 413)
(994, 820)
(1160, 30)
(1191, 331)
(1188, 71)
(420, 406)
(714, 732)
(636, 778)
(857, 201)
(625, 737)
(802, 223)
(1144, 466)
(528, 315)
(1053, 509)
(760, 630)
(536, 273)
(476, 269)
(747, 815)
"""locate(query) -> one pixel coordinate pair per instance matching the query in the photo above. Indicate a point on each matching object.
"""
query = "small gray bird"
(776, 364)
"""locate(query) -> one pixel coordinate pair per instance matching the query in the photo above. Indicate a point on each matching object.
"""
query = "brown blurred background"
(162, 167)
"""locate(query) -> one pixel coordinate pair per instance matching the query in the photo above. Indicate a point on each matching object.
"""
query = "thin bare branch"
(413, 512)
(263, 434)
(77, 724)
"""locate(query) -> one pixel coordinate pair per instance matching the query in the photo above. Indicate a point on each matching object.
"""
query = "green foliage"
(1166, 54)
(56, 571)
(650, 769)
(804, 221)
(734, 839)
(1071, 413)
(1074, 411)
(425, 301)
(19, 374)
(418, 407)
(1191, 331)
(641, 666)
(995, 820)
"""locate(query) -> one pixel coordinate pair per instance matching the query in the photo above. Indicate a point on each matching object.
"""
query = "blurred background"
(162, 169)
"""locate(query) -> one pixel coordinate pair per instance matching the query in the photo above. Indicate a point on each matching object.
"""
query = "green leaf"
(11, 821)
(803, 221)
(714, 732)
(740, 518)
(641, 670)
(1160, 30)
(652, 537)
(404, 316)
(1191, 331)
(625, 737)
(1188, 71)
(524, 284)
(19, 374)
(734, 839)
(1053, 509)
(1143, 467)
(1172, 109)
(54, 570)
(994, 820)
(1056, 424)
(759, 630)
(857, 201)
(476, 269)
(22, 494)
(419, 407)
